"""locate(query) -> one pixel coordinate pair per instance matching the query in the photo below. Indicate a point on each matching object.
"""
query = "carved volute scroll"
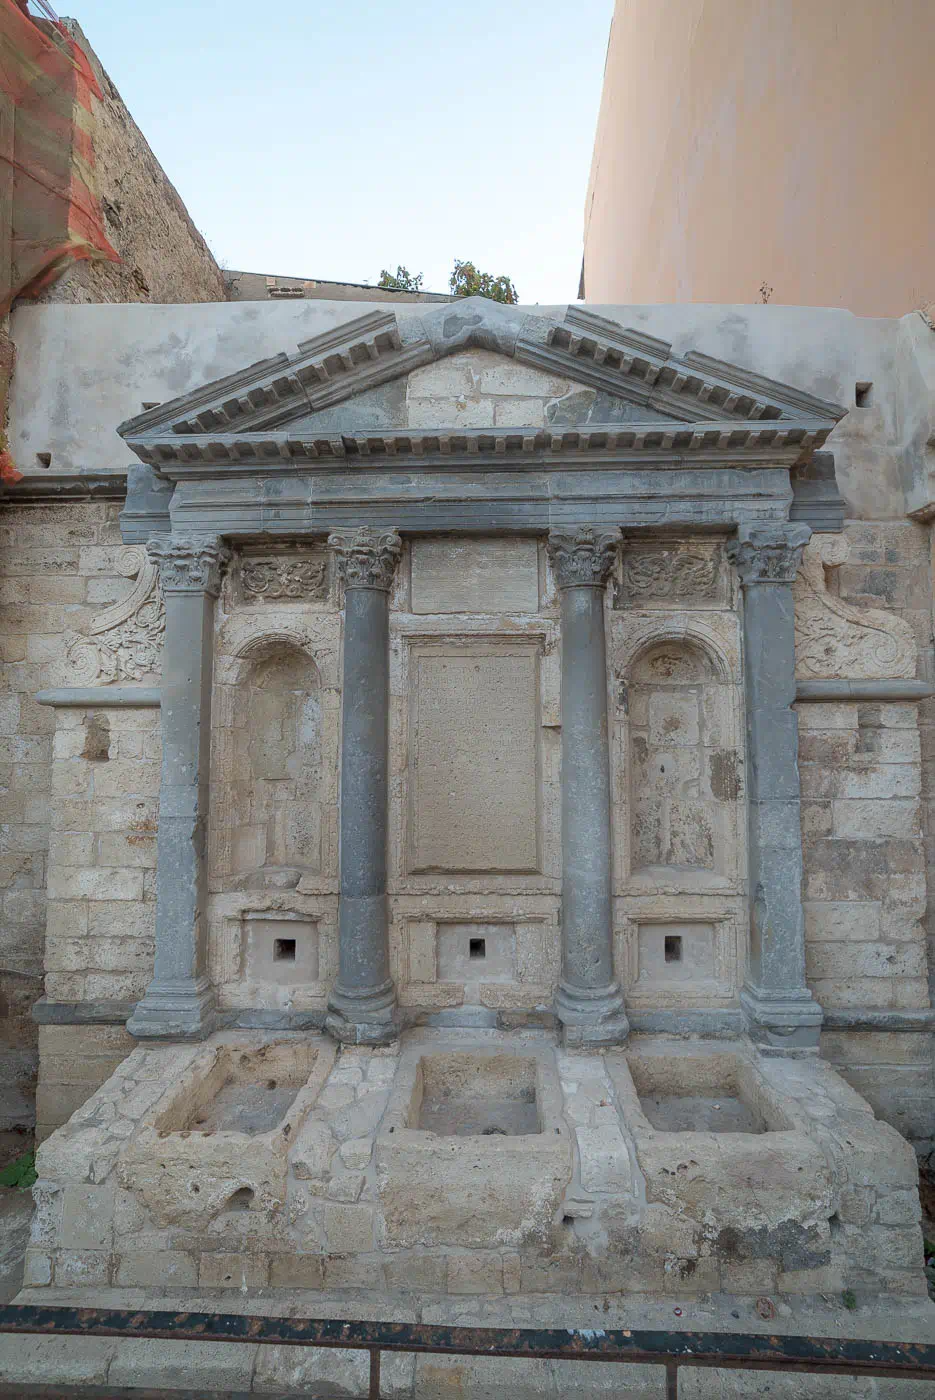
(833, 638)
(366, 558)
(126, 640)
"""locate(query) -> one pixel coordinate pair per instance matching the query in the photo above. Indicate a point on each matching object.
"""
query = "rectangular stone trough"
(473, 1149)
(720, 1144)
(219, 1139)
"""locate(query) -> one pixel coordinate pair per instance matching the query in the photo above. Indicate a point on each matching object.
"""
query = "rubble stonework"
(513, 720)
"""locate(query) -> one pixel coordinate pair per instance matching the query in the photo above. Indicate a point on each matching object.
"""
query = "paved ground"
(184, 1370)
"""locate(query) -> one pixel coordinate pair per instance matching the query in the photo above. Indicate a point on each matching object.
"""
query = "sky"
(331, 140)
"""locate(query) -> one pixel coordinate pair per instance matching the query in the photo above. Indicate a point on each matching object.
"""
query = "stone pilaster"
(179, 1001)
(589, 1001)
(362, 1004)
(779, 1009)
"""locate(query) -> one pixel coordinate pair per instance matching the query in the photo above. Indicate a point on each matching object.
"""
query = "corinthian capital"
(189, 563)
(583, 558)
(366, 558)
(768, 553)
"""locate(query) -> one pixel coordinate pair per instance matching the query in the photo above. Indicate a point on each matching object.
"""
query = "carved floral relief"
(835, 639)
(690, 575)
(276, 580)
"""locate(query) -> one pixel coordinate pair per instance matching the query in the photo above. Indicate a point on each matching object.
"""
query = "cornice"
(771, 443)
(66, 486)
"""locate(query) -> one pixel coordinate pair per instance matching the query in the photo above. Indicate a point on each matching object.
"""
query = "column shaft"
(779, 1009)
(363, 1001)
(179, 1001)
(587, 913)
(589, 1002)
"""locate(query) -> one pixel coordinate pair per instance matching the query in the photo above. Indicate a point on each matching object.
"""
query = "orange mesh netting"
(49, 213)
(47, 84)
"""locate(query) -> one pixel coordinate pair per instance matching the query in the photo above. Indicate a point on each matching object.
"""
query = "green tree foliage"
(402, 280)
(20, 1174)
(466, 281)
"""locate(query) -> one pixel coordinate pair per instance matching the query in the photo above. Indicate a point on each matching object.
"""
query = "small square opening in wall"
(863, 393)
(279, 951)
(673, 947)
(477, 948)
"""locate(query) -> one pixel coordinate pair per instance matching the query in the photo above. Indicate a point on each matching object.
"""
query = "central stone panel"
(474, 757)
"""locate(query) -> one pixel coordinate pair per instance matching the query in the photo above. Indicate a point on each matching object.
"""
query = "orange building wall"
(778, 144)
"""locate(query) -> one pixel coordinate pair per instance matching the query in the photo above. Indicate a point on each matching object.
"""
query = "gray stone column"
(362, 1004)
(589, 1002)
(179, 1001)
(779, 1010)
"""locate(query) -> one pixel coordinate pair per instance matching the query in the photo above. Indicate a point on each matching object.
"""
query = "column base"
(591, 1018)
(182, 1010)
(782, 1023)
(364, 1018)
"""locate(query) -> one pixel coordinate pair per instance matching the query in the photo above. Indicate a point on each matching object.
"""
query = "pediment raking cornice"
(379, 346)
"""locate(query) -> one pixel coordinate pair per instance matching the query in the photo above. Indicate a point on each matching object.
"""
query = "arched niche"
(267, 766)
(683, 761)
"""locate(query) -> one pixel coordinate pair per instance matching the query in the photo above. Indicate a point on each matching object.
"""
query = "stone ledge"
(897, 692)
(855, 1018)
(73, 485)
(117, 697)
(727, 1020)
(82, 1013)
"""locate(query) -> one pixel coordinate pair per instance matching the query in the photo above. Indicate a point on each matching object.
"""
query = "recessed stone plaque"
(475, 576)
(280, 949)
(677, 952)
(473, 759)
(474, 954)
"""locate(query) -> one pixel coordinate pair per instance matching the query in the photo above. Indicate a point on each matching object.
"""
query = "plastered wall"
(740, 155)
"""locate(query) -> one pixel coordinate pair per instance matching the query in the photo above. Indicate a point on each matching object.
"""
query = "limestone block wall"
(58, 568)
(864, 859)
(867, 818)
(102, 854)
(865, 896)
(74, 1062)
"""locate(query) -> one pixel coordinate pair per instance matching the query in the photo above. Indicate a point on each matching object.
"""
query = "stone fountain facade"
(509, 730)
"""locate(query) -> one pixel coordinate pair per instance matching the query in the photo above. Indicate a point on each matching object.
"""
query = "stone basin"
(473, 1149)
(756, 1178)
(703, 1093)
(218, 1139)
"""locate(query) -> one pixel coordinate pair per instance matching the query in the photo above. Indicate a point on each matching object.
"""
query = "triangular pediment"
(491, 378)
